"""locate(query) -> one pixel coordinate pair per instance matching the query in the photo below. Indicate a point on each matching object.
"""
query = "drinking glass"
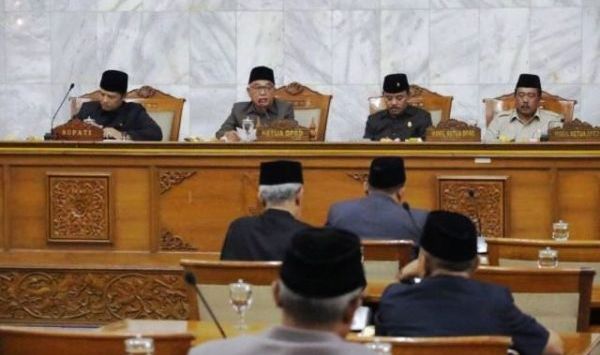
(379, 347)
(560, 230)
(547, 258)
(240, 297)
(139, 345)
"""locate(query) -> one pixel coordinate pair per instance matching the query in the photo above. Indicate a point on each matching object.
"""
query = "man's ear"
(400, 193)
(366, 187)
(299, 195)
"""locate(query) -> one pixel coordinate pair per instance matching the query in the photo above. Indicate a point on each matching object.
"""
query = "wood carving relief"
(169, 179)
(250, 201)
(79, 208)
(172, 242)
(90, 296)
(481, 200)
(360, 177)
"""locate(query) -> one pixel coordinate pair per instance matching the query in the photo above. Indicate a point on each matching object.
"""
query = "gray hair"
(309, 311)
(277, 194)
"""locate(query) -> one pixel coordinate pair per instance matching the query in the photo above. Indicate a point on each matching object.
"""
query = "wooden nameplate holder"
(77, 130)
(574, 131)
(282, 130)
(453, 130)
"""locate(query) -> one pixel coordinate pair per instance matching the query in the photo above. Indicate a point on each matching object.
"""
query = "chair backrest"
(560, 299)
(311, 108)
(213, 278)
(439, 106)
(464, 345)
(548, 101)
(53, 341)
(383, 257)
(165, 109)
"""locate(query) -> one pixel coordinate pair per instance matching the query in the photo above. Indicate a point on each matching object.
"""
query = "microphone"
(481, 244)
(190, 279)
(406, 207)
(49, 136)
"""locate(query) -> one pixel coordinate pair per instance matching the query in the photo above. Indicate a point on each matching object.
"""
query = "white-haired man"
(266, 236)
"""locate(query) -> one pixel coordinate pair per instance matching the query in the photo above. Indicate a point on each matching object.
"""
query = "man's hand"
(112, 133)
(231, 136)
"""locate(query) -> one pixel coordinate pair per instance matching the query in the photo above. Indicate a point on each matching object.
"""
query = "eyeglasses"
(258, 88)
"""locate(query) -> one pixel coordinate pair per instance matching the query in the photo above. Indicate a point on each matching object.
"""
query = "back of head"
(280, 180)
(387, 174)
(450, 239)
(321, 273)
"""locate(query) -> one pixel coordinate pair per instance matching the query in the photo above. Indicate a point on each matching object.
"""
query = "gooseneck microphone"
(50, 135)
(190, 279)
(481, 243)
(473, 197)
(406, 207)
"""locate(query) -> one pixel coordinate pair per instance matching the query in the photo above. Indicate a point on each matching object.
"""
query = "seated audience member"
(266, 236)
(119, 119)
(319, 289)
(400, 120)
(262, 108)
(526, 122)
(447, 302)
(380, 215)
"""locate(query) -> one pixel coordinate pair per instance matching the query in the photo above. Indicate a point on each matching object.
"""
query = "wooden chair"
(213, 278)
(65, 341)
(464, 345)
(558, 298)
(548, 101)
(439, 106)
(524, 252)
(383, 258)
(311, 108)
(165, 109)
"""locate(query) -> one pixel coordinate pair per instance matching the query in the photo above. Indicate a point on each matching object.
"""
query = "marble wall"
(203, 50)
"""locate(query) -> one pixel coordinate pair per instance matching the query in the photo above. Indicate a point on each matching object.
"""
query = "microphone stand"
(50, 135)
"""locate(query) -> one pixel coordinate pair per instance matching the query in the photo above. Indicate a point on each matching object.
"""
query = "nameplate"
(446, 135)
(453, 131)
(282, 130)
(77, 130)
(575, 131)
(283, 134)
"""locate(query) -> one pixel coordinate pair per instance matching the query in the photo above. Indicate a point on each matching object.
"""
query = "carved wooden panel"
(169, 179)
(79, 207)
(172, 242)
(80, 296)
(360, 177)
(483, 199)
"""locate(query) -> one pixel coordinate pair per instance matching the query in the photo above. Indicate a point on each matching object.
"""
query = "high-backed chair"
(524, 252)
(65, 341)
(383, 258)
(213, 278)
(548, 101)
(165, 109)
(439, 106)
(464, 345)
(311, 108)
(558, 298)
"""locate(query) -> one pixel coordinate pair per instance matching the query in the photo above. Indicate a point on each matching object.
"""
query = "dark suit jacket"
(278, 110)
(449, 305)
(376, 216)
(413, 122)
(264, 237)
(130, 118)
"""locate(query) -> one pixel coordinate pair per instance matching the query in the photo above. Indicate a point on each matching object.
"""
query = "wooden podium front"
(93, 232)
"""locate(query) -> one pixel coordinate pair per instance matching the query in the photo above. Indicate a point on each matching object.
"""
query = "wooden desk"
(575, 343)
(136, 209)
